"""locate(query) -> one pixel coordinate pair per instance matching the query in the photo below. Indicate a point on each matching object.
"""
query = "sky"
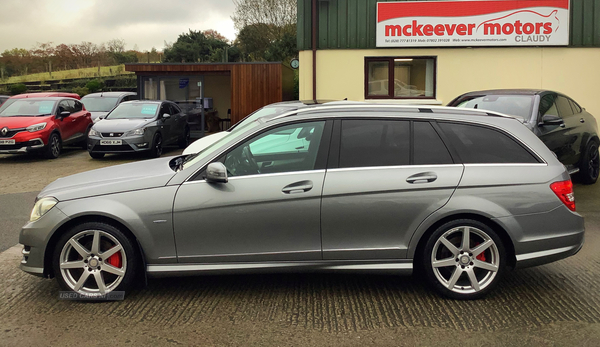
(145, 23)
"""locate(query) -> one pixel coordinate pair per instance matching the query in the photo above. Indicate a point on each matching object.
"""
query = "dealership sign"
(473, 23)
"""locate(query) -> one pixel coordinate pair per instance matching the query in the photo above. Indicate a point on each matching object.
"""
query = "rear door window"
(481, 145)
(429, 148)
(564, 107)
(374, 143)
(575, 107)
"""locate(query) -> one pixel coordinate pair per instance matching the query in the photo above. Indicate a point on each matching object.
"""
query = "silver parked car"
(456, 195)
(139, 126)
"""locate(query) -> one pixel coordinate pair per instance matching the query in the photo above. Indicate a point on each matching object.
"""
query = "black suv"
(564, 126)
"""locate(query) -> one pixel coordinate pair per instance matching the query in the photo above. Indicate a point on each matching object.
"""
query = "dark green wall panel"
(351, 24)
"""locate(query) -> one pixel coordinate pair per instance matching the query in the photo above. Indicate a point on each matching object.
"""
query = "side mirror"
(216, 173)
(166, 116)
(64, 114)
(551, 120)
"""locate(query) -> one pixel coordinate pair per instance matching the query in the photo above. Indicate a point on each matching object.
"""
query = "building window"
(400, 77)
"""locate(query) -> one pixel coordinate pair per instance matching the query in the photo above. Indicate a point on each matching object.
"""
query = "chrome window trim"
(360, 168)
(234, 178)
(506, 164)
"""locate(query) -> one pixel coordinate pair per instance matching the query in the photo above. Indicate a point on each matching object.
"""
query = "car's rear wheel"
(157, 149)
(464, 259)
(589, 169)
(54, 147)
(184, 141)
(95, 259)
(96, 155)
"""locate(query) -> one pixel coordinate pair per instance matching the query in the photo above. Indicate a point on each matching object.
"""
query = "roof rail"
(402, 108)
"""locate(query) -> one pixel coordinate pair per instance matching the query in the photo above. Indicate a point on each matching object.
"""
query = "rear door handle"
(582, 120)
(298, 187)
(423, 177)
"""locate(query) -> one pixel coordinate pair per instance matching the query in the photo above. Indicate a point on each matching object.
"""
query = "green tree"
(194, 46)
(94, 86)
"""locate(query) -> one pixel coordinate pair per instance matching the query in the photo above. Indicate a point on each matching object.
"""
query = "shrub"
(94, 86)
(82, 91)
(18, 88)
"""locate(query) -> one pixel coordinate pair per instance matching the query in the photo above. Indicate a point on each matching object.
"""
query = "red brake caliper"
(115, 260)
(481, 256)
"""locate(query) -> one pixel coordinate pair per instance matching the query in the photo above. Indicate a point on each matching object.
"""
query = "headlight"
(135, 132)
(36, 127)
(93, 133)
(41, 207)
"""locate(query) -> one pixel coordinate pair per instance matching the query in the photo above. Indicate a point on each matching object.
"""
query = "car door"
(178, 122)
(559, 138)
(67, 125)
(269, 210)
(378, 191)
(165, 124)
(80, 118)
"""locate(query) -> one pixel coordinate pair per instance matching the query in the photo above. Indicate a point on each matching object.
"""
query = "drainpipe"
(314, 48)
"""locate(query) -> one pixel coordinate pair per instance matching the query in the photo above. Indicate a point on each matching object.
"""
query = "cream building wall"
(571, 71)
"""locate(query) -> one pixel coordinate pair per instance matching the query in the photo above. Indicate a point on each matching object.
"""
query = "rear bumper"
(543, 238)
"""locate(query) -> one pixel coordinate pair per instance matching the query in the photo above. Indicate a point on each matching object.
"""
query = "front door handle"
(423, 177)
(298, 187)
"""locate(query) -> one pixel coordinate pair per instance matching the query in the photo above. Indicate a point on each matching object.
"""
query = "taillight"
(564, 191)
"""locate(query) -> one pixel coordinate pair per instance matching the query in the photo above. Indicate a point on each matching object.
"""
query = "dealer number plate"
(111, 142)
(7, 142)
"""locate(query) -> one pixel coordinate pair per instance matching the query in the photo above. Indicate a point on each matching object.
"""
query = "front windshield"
(265, 111)
(195, 158)
(512, 105)
(134, 110)
(95, 104)
(27, 108)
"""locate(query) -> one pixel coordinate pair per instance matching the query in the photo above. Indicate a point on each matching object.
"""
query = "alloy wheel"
(465, 260)
(93, 262)
(158, 146)
(594, 162)
(55, 146)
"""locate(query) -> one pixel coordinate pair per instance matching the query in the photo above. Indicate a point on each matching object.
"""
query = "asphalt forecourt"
(555, 304)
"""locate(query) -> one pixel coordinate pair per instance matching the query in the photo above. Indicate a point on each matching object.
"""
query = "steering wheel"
(249, 158)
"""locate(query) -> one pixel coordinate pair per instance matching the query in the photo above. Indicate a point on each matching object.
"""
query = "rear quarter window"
(481, 145)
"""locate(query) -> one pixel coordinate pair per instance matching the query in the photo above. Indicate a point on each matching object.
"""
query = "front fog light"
(142, 145)
(41, 207)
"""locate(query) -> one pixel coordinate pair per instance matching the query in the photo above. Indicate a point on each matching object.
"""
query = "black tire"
(54, 147)
(127, 263)
(589, 168)
(96, 155)
(466, 264)
(185, 140)
(84, 143)
(157, 149)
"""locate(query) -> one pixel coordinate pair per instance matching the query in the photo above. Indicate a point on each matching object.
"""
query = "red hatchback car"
(43, 125)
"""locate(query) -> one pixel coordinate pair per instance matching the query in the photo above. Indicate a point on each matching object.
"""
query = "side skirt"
(399, 267)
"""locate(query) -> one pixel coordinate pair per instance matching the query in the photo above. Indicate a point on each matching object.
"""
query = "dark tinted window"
(175, 109)
(374, 143)
(476, 144)
(78, 106)
(429, 148)
(548, 105)
(575, 107)
(64, 106)
(564, 107)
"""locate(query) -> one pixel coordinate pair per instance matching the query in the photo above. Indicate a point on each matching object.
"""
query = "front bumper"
(35, 236)
(22, 147)
(128, 144)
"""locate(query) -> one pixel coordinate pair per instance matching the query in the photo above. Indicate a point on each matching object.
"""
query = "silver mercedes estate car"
(457, 196)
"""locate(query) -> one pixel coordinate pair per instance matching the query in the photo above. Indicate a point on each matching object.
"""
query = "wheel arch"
(51, 244)
(500, 231)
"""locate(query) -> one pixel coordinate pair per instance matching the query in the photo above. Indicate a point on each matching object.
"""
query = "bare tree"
(280, 15)
(115, 46)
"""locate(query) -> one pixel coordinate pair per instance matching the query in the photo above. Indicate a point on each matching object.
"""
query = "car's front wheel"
(464, 259)
(589, 168)
(157, 146)
(95, 259)
(54, 147)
